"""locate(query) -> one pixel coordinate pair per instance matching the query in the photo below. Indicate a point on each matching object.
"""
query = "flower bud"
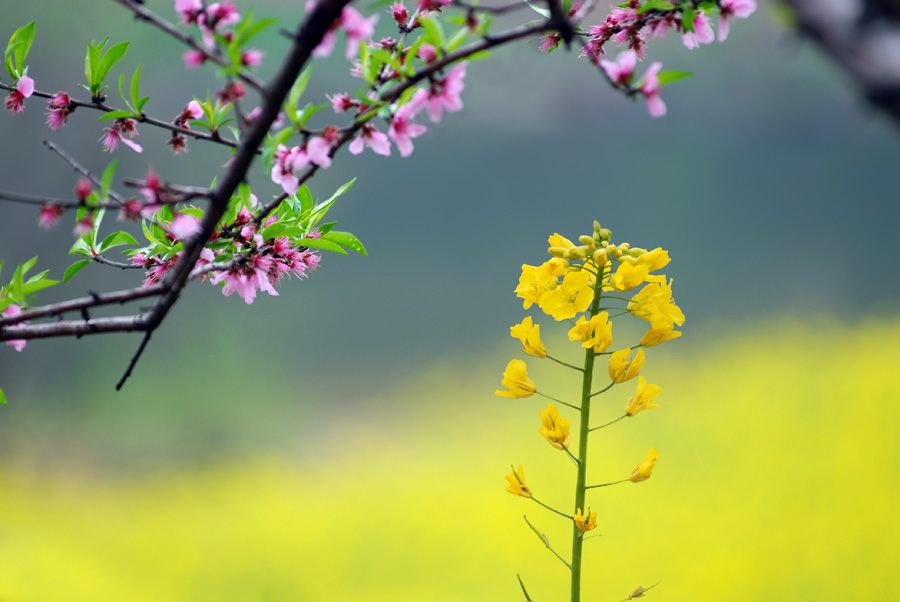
(603, 244)
(597, 226)
(552, 284)
(576, 253)
(636, 252)
(604, 233)
(586, 240)
(599, 257)
(557, 252)
(628, 259)
(624, 246)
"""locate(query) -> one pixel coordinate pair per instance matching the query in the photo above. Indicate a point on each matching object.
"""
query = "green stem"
(605, 389)
(608, 423)
(536, 392)
(551, 509)
(571, 456)
(583, 427)
(564, 364)
(604, 484)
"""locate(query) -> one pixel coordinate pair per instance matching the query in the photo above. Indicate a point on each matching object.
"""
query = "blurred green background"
(342, 442)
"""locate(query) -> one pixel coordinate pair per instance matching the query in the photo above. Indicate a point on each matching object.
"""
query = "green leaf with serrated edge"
(305, 198)
(110, 58)
(320, 243)
(655, 6)
(3, 398)
(308, 111)
(345, 239)
(667, 77)
(115, 115)
(80, 247)
(433, 31)
(687, 18)
(116, 239)
(91, 62)
(279, 230)
(74, 269)
(325, 228)
(299, 88)
(39, 276)
(106, 179)
(29, 288)
(340, 191)
(135, 88)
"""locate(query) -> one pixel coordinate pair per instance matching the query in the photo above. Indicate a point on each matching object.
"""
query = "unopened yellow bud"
(636, 251)
(603, 244)
(599, 256)
(628, 259)
(576, 253)
(624, 246)
(557, 252)
(586, 240)
(596, 226)
(552, 284)
(604, 233)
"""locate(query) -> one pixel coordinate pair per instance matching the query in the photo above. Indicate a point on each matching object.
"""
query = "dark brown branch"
(28, 199)
(81, 169)
(134, 359)
(494, 10)
(69, 328)
(96, 300)
(142, 13)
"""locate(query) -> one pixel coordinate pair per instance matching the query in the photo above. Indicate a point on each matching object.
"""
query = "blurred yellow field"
(777, 480)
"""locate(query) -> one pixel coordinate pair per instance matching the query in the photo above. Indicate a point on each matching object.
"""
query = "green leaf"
(280, 229)
(116, 239)
(3, 398)
(667, 77)
(655, 5)
(340, 191)
(91, 62)
(687, 18)
(308, 111)
(541, 11)
(110, 58)
(115, 115)
(21, 41)
(325, 228)
(298, 89)
(320, 243)
(435, 32)
(80, 247)
(74, 269)
(305, 199)
(135, 89)
(345, 239)
(107, 178)
(30, 287)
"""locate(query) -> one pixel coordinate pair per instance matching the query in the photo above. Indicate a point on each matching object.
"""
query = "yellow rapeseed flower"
(560, 242)
(517, 484)
(596, 332)
(645, 468)
(573, 295)
(621, 369)
(628, 276)
(585, 523)
(530, 335)
(656, 259)
(515, 378)
(656, 336)
(534, 280)
(643, 398)
(654, 304)
(555, 428)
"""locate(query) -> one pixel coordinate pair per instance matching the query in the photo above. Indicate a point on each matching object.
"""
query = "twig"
(146, 15)
(134, 359)
(81, 169)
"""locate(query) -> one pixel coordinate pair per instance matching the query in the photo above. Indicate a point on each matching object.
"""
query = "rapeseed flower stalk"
(582, 284)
